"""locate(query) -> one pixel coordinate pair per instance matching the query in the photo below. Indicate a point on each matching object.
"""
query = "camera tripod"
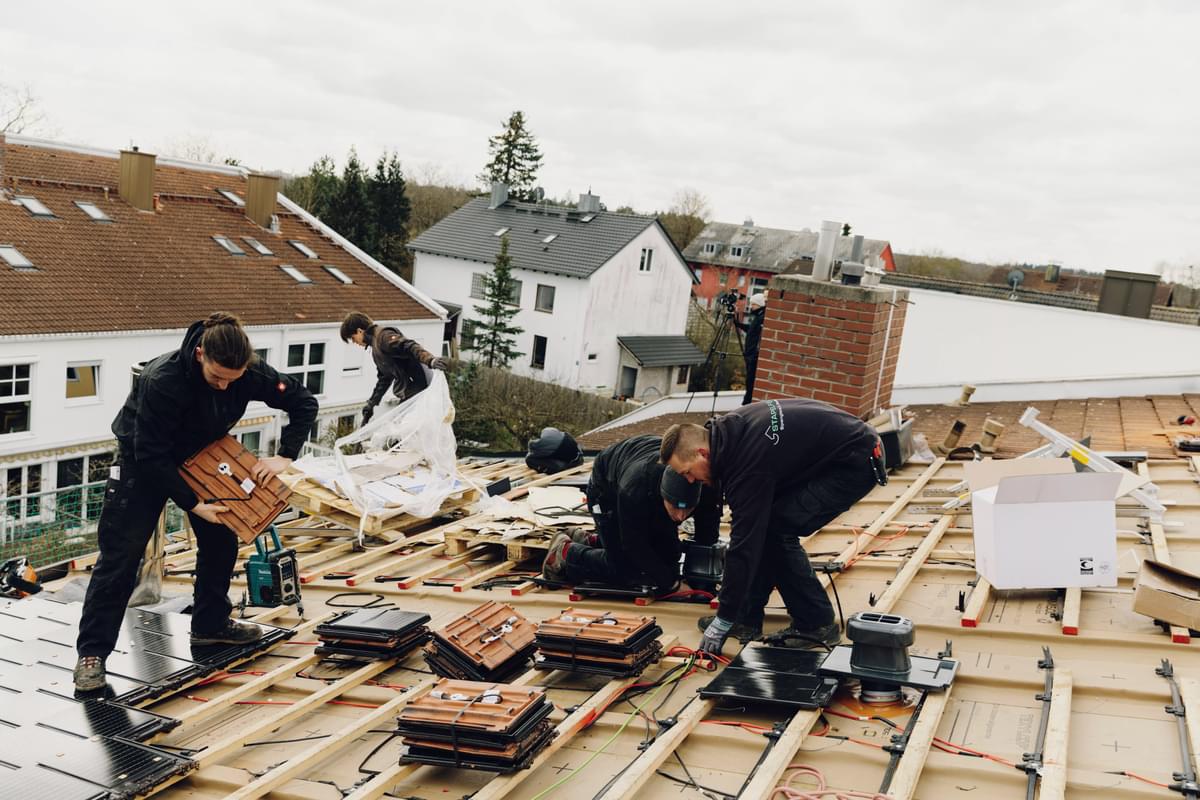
(727, 332)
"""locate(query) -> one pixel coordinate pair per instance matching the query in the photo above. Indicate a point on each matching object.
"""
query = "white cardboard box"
(1040, 525)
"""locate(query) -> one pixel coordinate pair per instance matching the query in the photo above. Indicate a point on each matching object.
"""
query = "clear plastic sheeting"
(408, 462)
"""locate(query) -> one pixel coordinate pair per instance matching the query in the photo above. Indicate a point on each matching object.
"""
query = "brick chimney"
(830, 342)
(136, 181)
(261, 191)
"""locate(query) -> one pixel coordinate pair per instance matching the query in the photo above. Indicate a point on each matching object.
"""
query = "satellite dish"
(1015, 278)
(538, 194)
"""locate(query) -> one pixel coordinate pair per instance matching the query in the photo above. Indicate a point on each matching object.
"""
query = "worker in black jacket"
(397, 358)
(786, 468)
(752, 327)
(182, 402)
(637, 504)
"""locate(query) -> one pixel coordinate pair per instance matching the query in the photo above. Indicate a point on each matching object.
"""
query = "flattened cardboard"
(986, 474)
(1168, 593)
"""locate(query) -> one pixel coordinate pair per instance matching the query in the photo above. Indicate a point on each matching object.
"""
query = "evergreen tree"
(494, 331)
(390, 210)
(316, 190)
(515, 158)
(350, 208)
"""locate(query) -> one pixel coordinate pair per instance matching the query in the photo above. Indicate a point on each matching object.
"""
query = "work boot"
(89, 674)
(743, 633)
(585, 537)
(554, 568)
(804, 638)
(234, 632)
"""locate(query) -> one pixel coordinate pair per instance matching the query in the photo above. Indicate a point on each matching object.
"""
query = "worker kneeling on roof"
(637, 504)
(786, 468)
(182, 402)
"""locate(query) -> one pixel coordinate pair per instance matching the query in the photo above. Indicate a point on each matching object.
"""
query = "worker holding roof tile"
(638, 505)
(398, 359)
(786, 468)
(182, 402)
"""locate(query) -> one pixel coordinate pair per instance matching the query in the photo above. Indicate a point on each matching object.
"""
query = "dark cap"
(677, 491)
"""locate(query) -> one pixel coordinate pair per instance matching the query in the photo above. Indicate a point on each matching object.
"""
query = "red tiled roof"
(163, 270)
(1114, 423)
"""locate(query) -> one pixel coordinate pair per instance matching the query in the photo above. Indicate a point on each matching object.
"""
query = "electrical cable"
(379, 602)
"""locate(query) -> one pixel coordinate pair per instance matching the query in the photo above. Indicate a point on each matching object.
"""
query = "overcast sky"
(1023, 131)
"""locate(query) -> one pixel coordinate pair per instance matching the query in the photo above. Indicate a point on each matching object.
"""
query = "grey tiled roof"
(662, 351)
(770, 249)
(579, 249)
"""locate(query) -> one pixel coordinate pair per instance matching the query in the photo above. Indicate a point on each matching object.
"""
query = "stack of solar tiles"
(614, 644)
(488, 643)
(477, 725)
(373, 634)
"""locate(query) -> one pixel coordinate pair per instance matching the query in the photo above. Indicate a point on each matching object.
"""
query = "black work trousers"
(798, 511)
(608, 563)
(127, 520)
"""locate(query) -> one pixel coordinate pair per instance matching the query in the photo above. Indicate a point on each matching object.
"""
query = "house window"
(346, 425)
(15, 398)
(98, 467)
(592, 356)
(252, 441)
(262, 353)
(14, 258)
(682, 379)
(709, 248)
(83, 380)
(514, 295)
(478, 285)
(647, 258)
(545, 298)
(539, 353)
(758, 285)
(550, 238)
(307, 363)
(303, 248)
(466, 338)
(229, 245)
(296, 275)
(23, 483)
(501, 232)
(94, 212)
(257, 246)
(34, 206)
(231, 197)
(353, 356)
(337, 273)
(723, 278)
(737, 252)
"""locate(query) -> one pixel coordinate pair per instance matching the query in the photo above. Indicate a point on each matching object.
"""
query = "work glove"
(367, 412)
(440, 363)
(714, 636)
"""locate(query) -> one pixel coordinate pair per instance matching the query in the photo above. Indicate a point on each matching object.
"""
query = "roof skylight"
(337, 273)
(14, 257)
(550, 238)
(93, 211)
(257, 246)
(34, 206)
(229, 245)
(231, 197)
(296, 274)
(303, 248)
(501, 232)
(588, 218)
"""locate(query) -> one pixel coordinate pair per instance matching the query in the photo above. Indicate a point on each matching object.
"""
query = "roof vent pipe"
(826, 241)
(856, 248)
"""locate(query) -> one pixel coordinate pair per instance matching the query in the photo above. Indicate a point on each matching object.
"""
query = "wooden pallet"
(312, 498)
(532, 545)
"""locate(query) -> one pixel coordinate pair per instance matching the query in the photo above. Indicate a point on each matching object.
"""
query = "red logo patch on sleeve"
(281, 386)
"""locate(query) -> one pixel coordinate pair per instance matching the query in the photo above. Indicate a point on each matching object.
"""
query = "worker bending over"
(637, 504)
(786, 468)
(398, 359)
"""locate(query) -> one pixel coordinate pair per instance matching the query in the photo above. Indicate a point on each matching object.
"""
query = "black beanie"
(677, 491)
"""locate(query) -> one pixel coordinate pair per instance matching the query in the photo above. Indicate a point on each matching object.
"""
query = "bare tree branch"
(18, 109)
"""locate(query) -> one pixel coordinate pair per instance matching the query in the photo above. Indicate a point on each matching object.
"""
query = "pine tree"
(515, 158)
(494, 332)
(390, 211)
(350, 209)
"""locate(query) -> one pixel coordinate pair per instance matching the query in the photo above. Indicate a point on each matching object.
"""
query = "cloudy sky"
(1025, 131)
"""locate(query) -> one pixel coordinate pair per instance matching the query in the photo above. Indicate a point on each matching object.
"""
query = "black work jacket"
(171, 413)
(752, 327)
(761, 450)
(626, 478)
(398, 361)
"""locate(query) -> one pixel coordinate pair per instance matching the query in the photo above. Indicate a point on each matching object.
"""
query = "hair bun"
(221, 318)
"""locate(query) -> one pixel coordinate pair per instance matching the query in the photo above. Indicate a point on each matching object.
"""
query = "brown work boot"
(234, 632)
(89, 674)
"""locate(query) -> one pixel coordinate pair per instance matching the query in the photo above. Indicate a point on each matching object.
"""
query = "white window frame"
(501, 232)
(477, 285)
(23, 516)
(710, 248)
(15, 258)
(758, 285)
(537, 298)
(302, 370)
(295, 274)
(229, 245)
(533, 364)
(19, 398)
(467, 333)
(737, 251)
(647, 261)
(264, 437)
(35, 207)
(303, 248)
(96, 214)
(257, 246)
(337, 273)
(232, 197)
(86, 400)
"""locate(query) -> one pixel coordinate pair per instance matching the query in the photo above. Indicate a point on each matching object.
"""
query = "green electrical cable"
(632, 715)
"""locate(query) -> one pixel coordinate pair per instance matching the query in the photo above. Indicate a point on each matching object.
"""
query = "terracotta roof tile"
(163, 270)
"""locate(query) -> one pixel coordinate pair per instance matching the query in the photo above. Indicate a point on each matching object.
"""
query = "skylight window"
(550, 238)
(93, 211)
(588, 218)
(14, 258)
(337, 273)
(501, 232)
(297, 275)
(257, 246)
(229, 245)
(303, 248)
(231, 197)
(35, 206)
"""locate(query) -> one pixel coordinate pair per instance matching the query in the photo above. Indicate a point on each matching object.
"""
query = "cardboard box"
(1040, 525)
(1168, 593)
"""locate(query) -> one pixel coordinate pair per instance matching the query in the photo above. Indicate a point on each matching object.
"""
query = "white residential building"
(603, 297)
(106, 258)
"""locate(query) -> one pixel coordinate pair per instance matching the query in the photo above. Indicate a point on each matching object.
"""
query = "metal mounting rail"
(1185, 780)
(1032, 763)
